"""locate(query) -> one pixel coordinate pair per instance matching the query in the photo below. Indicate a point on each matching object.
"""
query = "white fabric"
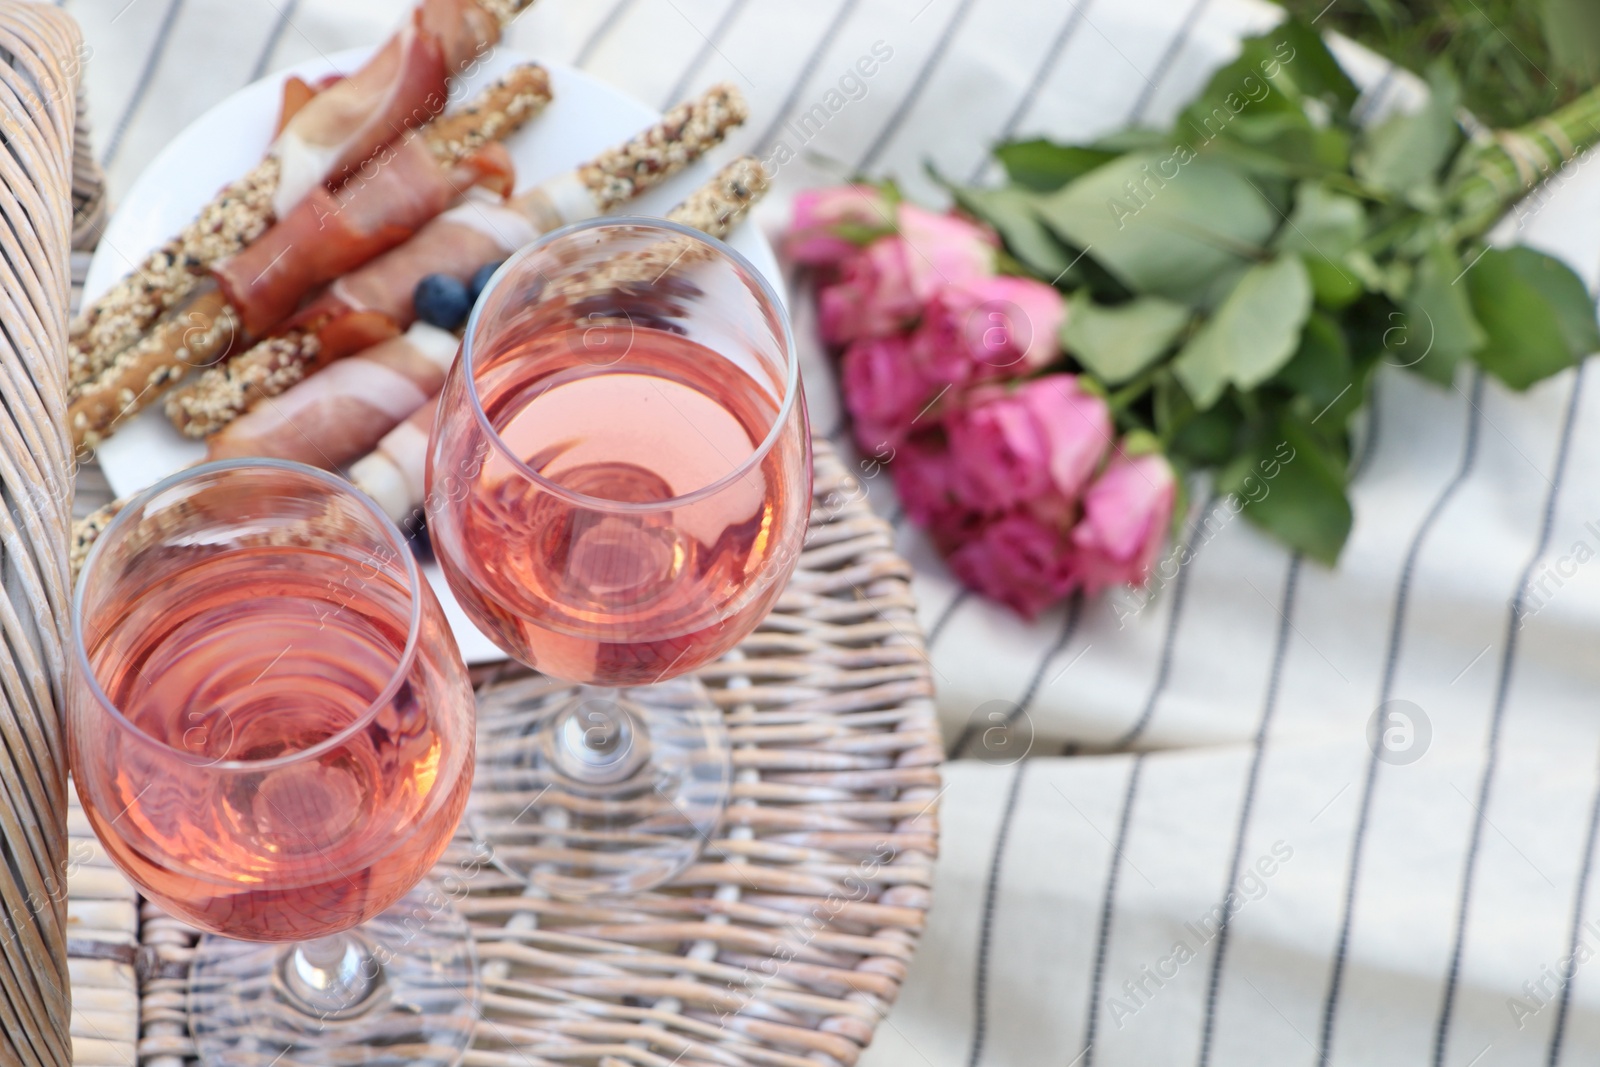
(1063, 877)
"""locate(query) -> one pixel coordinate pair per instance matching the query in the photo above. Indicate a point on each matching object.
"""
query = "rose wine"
(258, 797)
(596, 580)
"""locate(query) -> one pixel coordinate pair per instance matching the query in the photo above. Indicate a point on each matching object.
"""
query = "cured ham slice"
(457, 243)
(330, 233)
(395, 474)
(342, 412)
(404, 84)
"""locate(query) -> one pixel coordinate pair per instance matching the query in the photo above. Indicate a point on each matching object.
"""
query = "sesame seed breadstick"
(682, 136)
(197, 326)
(494, 114)
(223, 392)
(87, 530)
(236, 216)
(717, 206)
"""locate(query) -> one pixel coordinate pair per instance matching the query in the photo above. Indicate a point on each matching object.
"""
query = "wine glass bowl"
(272, 733)
(271, 729)
(619, 482)
(620, 471)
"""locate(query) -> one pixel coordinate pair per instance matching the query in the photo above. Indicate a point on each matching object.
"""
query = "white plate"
(585, 116)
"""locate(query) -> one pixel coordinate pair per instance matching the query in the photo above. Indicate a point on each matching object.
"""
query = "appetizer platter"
(311, 309)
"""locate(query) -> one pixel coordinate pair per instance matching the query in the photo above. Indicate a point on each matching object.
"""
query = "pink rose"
(1043, 440)
(1125, 518)
(1013, 323)
(944, 250)
(1018, 561)
(921, 472)
(881, 389)
(819, 213)
(939, 346)
(873, 296)
(997, 327)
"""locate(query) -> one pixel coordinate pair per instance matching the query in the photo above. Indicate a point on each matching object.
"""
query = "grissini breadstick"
(360, 220)
(340, 413)
(404, 84)
(319, 334)
(394, 474)
(715, 208)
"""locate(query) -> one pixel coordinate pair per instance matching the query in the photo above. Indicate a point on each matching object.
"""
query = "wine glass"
(272, 734)
(619, 482)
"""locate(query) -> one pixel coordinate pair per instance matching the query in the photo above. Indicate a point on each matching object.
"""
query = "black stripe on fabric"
(1258, 751)
(1069, 627)
(1558, 1031)
(980, 973)
(1373, 98)
(1369, 444)
(1108, 907)
(770, 134)
(601, 32)
(1164, 64)
(918, 85)
(1041, 74)
(152, 60)
(1469, 456)
(714, 38)
(945, 616)
(1508, 662)
(1169, 641)
(274, 35)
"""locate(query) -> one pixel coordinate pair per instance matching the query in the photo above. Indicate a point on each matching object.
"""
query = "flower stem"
(1518, 161)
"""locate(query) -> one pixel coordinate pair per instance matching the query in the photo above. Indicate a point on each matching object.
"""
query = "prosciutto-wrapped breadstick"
(376, 301)
(338, 414)
(324, 235)
(395, 473)
(403, 85)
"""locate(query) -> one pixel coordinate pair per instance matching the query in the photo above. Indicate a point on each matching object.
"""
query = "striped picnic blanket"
(1272, 814)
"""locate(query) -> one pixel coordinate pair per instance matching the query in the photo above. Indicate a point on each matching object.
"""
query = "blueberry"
(442, 301)
(480, 280)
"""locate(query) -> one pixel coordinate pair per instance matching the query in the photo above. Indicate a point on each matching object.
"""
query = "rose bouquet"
(1042, 368)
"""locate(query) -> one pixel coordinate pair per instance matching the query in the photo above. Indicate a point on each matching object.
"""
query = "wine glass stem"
(598, 740)
(332, 976)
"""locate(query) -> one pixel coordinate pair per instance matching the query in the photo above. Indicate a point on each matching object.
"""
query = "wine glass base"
(583, 790)
(414, 998)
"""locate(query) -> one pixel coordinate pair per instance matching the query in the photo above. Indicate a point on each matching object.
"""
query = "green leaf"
(1116, 343)
(1323, 223)
(1572, 31)
(1251, 335)
(1439, 329)
(1539, 318)
(1404, 154)
(1321, 369)
(1335, 285)
(1045, 166)
(1011, 211)
(1161, 225)
(1208, 438)
(1277, 71)
(1293, 487)
(858, 234)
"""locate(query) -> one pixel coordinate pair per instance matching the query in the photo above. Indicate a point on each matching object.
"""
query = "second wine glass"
(619, 483)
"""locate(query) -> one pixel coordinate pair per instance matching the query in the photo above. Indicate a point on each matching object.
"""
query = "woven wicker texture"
(38, 102)
(788, 941)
